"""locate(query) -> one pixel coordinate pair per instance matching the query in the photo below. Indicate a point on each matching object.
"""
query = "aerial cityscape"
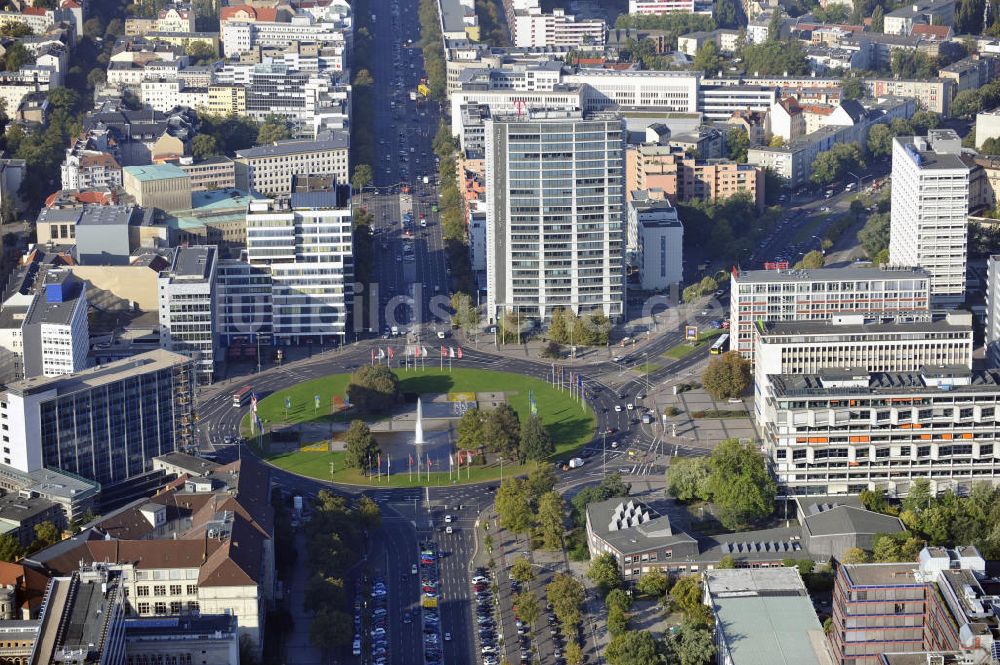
(500, 332)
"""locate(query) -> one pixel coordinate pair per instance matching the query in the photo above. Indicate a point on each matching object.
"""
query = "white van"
(356, 647)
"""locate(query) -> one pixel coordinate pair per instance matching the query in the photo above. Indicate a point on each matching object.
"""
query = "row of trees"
(593, 329)
(881, 135)
(833, 164)
(567, 595)
(334, 544)
(466, 315)
(451, 207)
(970, 102)
(530, 505)
(706, 287)
(500, 430)
(433, 48)
(734, 478)
(730, 226)
(46, 533)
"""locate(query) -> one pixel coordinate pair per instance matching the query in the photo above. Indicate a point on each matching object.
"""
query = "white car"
(618, 408)
(413, 569)
(448, 529)
(447, 519)
(447, 637)
(630, 406)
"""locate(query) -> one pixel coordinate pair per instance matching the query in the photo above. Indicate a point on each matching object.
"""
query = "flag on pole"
(409, 460)
(451, 352)
(444, 352)
(381, 354)
(470, 458)
(253, 402)
(373, 356)
(459, 353)
(429, 464)
(391, 354)
(451, 461)
(424, 351)
(416, 351)
(388, 463)
(532, 403)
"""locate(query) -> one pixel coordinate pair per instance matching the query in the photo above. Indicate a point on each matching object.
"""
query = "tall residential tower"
(555, 227)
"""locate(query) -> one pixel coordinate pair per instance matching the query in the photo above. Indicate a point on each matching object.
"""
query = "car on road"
(447, 519)
(630, 406)
(447, 637)
(448, 529)
(413, 569)
(618, 408)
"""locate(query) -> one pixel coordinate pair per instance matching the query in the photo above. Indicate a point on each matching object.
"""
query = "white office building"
(904, 342)
(993, 311)
(535, 28)
(305, 240)
(655, 241)
(241, 36)
(269, 169)
(930, 203)
(187, 301)
(555, 213)
(817, 295)
(244, 304)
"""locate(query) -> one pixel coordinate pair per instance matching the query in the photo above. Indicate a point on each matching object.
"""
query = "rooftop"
(940, 150)
(886, 383)
(193, 263)
(849, 273)
(16, 508)
(336, 140)
(152, 172)
(99, 376)
(766, 616)
(890, 324)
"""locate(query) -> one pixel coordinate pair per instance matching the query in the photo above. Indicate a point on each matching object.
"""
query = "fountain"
(418, 438)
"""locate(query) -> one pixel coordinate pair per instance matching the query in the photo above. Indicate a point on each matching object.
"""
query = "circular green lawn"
(570, 423)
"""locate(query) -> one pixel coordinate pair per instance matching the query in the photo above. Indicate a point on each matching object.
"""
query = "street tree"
(604, 573)
(854, 555)
(617, 621)
(521, 570)
(526, 606)
(330, 629)
(541, 480)
(513, 505)
(10, 548)
(469, 431)
(566, 595)
(693, 645)
(632, 647)
(551, 515)
(687, 478)
(742, 489)
(573, 653)
(373, 389)
(880, 140)
(361, 449)
(361, 177)
(369, 512)
(363, 79)
(618, 599)
(812, 260)
(727, 376)
(536, 444)
(686, 594)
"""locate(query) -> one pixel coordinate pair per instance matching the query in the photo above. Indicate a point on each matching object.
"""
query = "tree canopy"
(361, 450)
(727, 376)
(373, 389)
(742, 489)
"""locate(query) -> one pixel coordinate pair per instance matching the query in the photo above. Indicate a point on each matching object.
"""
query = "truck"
(297, 506)
(413, 95)
(576, 463)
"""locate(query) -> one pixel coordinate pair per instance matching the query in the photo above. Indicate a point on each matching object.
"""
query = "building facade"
(556, 210)
(655, 244)
(187, 299)
(269, 169)
(535, 28)
(105, 423)
(930, 205)
(306, 241)
(818, 295)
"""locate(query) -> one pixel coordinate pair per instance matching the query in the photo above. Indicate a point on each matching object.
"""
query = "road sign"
(691, 333)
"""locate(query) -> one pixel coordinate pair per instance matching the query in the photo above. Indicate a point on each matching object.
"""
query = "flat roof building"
(187, 296)
(268, 169)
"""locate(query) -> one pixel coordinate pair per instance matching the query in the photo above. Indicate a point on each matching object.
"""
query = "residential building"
(931, 94)
(306, 241)
(930, 204)
(725, 40)
(241, 36)
(163, 186)
(787, 119)
(770, 296)
(655, 241)
(668, 6)
(112, 439)
(763, 615)
(993, 311)
(90, 169)
(682, 178)
(201, 546)
(21, 512)
(17, 86)
(245, 303)
(535, 28)
(572, 257)
(269, 169)
(188, 307)
(911, 612)
(927, 12)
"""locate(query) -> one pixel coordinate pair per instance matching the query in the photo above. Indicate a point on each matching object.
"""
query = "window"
(160, 590)
(142, 591)
(175, 589)
(143, 608)
(160, 608)
(193, 606)
(192, 589)
(175, 607)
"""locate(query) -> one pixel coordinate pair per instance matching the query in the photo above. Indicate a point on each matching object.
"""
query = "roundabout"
(302, 425)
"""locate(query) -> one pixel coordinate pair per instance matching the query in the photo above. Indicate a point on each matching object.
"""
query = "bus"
(242, 396)
(720, 345)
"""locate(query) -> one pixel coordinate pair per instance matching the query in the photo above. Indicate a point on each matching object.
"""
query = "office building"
(305, 239)
(993, 311)
(682, 177)
(763, 615)
(661, 6)
(555, 213)
(940, 606)
(216, 172)
(269, 169)
(190, 638)
(187, 298)
(244, 307)
(242, 36)
(201, 546)
(535, 28)
(818, 295)
(922, 12)
(655, 241)
(930, 204)
(104, 423)
(876, 342)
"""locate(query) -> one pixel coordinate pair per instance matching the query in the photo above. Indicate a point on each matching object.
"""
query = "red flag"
(380, 460)
(444, 352)
(391, 354)
(416, 351)
(459, 353)
(409, 458)
(429, 465)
